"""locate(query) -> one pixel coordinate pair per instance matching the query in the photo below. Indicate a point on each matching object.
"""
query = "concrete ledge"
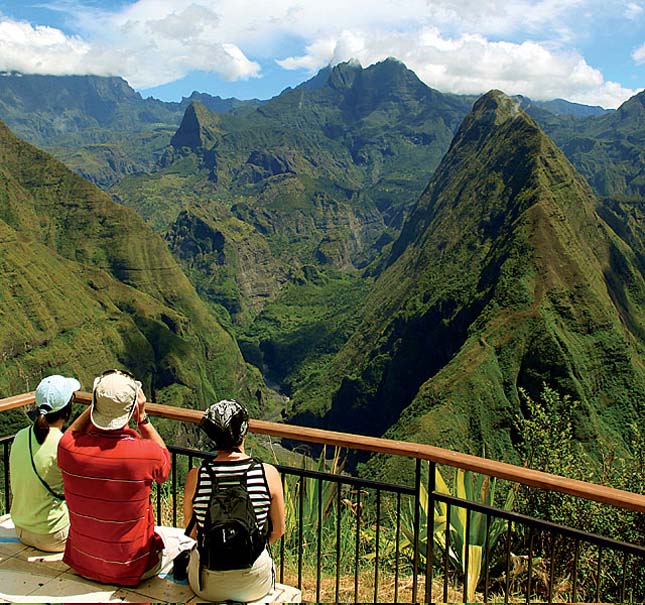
(281, 594)
(28, 575)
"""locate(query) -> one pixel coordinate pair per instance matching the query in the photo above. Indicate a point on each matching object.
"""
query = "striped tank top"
(228, 473)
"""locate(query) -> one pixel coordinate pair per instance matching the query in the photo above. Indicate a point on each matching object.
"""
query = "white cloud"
(453, 45)
(41, 50)
(162, 47)
(472, 64)
(639, 55)
(633, 10)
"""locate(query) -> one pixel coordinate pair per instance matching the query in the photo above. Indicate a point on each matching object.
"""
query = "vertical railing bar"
(378, 539)
(576, 560)
(446, 551)
(398, 549)
(552, 566)
(7, 478)
(319, 540)
(358, 542)
(599, 574)
(487, 559)
(415, 546)
(466, 554)
(530, 565)
(284, 489)
(301, 507)
(507, 582)
(623, 583)
(338, 535)
(432, 474)
(188, 469)
(174, 489)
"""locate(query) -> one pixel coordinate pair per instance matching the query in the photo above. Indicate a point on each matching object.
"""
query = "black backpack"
(230, 538)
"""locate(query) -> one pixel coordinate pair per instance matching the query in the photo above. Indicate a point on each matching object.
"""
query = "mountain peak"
(632, 110)
(496, 138)
(343, 75)
(491, 112)
(495, 106)
(197, 128)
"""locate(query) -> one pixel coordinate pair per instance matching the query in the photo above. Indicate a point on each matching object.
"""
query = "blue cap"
(55, 392)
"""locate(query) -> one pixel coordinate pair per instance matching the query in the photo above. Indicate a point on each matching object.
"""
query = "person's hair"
(226, 442)
(43, 421)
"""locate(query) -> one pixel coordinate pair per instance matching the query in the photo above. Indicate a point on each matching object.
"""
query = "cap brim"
(107, 423)
(74, 385)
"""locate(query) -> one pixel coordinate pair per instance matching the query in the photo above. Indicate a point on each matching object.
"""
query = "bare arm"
(276, 510)
(189, 492)
(147, 431)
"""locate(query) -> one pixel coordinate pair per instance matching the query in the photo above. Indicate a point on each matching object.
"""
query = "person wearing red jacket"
(108, 470)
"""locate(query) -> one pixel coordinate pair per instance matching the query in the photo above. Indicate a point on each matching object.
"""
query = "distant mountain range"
(378, 302)
(89, 121)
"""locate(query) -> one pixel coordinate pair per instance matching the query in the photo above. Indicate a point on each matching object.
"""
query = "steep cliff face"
(227, 261)
(198, 128)
(87, 285)
(503, 277)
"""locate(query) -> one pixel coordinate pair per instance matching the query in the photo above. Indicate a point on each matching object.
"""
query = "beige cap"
(115, 394)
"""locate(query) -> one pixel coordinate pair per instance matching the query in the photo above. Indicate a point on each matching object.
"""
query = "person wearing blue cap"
(38, 508)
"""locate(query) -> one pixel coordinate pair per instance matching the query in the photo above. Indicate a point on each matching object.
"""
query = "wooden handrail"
(492, 468)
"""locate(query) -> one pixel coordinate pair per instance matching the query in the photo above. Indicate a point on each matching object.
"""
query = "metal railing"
(353, 539)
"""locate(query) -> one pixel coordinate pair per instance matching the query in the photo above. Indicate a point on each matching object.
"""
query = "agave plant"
(302, 498)
(467, 486)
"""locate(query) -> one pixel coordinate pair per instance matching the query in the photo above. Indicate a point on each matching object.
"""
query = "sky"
(585, 51)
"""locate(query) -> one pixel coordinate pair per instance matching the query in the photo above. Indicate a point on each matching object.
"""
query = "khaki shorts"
(234, 585)
(46, 542)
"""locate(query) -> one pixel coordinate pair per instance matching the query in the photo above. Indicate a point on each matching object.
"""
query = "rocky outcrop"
(230, 264)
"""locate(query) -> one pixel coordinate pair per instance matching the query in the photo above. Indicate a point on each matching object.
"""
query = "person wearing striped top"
(226, 423)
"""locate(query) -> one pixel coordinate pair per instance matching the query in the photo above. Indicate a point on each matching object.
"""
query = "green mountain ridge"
(297, 348)
(376, 302)
(88, 286)
(104, 130)
(503, 277)
(313, 181)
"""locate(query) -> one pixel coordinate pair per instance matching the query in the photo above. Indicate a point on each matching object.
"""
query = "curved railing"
(491, 468)
(541, 541)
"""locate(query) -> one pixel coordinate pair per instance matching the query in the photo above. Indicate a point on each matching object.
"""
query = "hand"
(140, 411)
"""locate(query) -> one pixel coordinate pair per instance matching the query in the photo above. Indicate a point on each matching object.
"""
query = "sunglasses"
(120, 372)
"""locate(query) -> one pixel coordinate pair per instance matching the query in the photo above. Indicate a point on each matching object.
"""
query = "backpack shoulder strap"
(266, 530)
(33, 465)
(255, 462)
(190, 525)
